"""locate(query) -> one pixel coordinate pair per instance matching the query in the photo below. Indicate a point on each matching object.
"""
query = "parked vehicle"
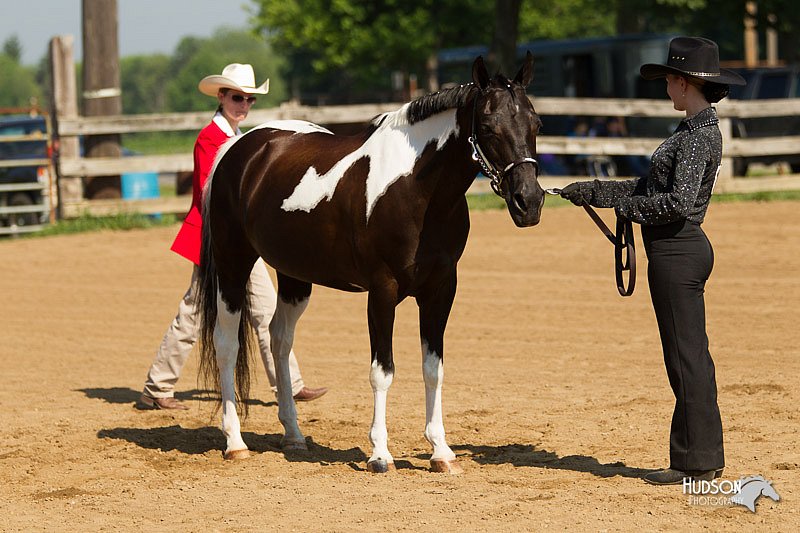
(600, 67)
(24, 188)
(24, 137)
(767, 84)
(593, 67)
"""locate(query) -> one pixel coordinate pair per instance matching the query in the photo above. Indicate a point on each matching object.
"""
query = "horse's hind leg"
(293, 296)
(231, 301)
(226, 343)
(434, 309)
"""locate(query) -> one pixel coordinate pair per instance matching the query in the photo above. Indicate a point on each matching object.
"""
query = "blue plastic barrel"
(140, 185)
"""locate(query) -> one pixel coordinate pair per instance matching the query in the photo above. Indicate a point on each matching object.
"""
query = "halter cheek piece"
(489, 169)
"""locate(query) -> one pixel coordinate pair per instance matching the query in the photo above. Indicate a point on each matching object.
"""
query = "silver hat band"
(701, 74)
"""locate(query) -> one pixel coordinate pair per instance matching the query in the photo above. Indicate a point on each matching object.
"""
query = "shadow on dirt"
(112, 394)
(184, 440)
(203, 440)
(120, 395)
(529, 455)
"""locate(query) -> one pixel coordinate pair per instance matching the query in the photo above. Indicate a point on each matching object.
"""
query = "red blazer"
(187, 242)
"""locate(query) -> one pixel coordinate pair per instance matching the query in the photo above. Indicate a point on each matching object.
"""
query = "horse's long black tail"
(208, 287)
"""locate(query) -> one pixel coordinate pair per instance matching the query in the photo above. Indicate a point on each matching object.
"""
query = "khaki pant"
(182, 334)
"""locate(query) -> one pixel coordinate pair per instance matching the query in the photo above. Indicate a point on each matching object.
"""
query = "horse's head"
(504, 128)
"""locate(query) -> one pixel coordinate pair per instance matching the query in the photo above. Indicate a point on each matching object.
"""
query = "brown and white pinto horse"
(383, 211)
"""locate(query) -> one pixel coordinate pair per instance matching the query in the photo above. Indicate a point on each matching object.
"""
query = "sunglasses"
(238, 98)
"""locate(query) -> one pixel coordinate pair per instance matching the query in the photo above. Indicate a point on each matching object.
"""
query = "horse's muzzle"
(524, 196)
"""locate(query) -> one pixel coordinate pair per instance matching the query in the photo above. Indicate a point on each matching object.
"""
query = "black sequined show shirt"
(680, 181)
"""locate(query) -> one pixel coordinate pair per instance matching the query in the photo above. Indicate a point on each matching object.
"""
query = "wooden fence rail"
(73, 167)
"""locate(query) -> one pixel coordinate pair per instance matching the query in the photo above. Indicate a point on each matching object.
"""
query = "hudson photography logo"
(725, 492)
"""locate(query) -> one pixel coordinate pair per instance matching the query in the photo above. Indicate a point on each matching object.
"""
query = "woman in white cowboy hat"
(670, 203)
(235, 90)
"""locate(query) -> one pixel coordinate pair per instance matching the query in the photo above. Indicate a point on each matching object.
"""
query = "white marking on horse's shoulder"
(392, 149)
(297, 126)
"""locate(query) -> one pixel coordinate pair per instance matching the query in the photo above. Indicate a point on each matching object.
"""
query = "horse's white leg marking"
(433, 374)
(281, 331)
(226, 343)
(378, 435)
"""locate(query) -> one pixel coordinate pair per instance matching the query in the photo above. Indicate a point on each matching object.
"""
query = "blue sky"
(145, 26)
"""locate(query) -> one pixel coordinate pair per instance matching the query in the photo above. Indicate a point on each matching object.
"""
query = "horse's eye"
(485, 129)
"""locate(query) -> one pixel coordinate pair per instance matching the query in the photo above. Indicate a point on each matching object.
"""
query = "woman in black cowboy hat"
(670, 203)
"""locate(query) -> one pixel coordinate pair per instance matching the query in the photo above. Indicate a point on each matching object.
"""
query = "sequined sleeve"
(680, 182)
(691, 156)
(606, 193)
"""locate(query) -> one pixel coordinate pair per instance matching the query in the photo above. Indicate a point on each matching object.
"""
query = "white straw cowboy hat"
(234, 76)
(695, 57)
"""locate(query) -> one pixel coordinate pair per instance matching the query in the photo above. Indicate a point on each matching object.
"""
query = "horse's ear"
(479, 73)
(525, 74)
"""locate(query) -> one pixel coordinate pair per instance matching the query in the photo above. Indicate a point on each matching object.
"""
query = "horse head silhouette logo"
(752, 488)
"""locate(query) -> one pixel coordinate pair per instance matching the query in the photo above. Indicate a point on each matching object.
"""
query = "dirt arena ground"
(555, 397)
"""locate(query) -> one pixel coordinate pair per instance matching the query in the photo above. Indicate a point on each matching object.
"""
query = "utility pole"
(101, 88)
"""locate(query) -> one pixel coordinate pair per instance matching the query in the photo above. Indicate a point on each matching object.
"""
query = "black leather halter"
(489, 169)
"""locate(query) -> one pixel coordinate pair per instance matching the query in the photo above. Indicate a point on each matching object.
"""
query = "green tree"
(142, 80)
(196, 58)
(721, 20)
(161, 83)
(12, 48)
(566, 19)
(18, 87)
(347, 45)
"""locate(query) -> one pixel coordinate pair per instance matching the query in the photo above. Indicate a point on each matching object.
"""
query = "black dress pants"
(680, 259)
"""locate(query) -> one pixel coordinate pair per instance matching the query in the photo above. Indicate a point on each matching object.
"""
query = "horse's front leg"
(293, 297)
(381, 313)
(434, 309)
(226, 344)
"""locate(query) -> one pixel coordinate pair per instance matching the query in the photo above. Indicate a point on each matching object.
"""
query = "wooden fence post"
(64, 106)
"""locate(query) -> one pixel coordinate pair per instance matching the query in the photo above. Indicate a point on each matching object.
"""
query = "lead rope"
(624, 246)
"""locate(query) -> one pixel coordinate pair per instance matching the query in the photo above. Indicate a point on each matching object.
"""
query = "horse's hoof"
(446, 466)
(294, 445)
(234, 455)
(380, 466)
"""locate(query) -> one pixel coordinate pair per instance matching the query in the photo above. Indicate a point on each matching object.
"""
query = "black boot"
(675, 477)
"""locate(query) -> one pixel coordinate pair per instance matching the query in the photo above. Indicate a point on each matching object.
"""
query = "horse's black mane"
(431, 104)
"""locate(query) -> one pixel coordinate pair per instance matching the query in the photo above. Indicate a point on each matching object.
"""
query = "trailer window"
(773, 86)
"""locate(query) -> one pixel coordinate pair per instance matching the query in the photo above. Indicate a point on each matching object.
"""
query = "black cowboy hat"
(695, 57)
